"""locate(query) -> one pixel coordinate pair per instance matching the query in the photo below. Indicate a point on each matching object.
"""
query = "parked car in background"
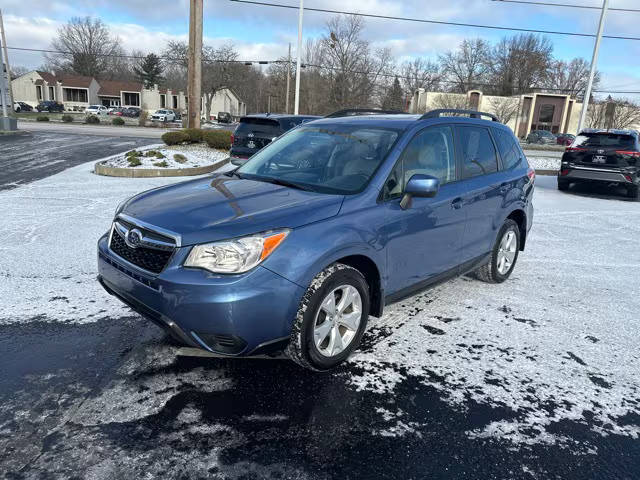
(565, 139)
(116, 111)
(605, 156)
(542, 137)
(224, 117)
(131, 111)
(319, 230)
(22, 107)
(96, 110)
(163, 115)
(256, 131)
(50, 106)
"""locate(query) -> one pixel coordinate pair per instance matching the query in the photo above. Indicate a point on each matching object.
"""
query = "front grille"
(146, 258)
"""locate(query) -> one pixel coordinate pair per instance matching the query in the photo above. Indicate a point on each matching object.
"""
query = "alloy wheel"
(337, 320)
(507, 252)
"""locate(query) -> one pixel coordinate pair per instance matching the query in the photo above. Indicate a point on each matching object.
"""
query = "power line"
(436, 22)
(312, 65)
(569, 5)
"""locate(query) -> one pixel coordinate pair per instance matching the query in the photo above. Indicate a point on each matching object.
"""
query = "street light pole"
(6, 59)
(299, 52)
(194, 88)
(594, 61)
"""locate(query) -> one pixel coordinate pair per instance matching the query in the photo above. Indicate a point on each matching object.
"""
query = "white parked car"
(96, 110)
(164, 115)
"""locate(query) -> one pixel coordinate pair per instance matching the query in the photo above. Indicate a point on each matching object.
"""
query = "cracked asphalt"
(536, 378)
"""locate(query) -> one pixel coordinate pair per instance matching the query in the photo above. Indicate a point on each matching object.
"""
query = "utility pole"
(3, 93)
(6, 58)
(286, 108)
(194, 88)
(299, 52)
(594, 61)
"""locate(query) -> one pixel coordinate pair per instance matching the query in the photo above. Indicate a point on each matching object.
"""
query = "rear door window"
(478, 153)
(509, 149)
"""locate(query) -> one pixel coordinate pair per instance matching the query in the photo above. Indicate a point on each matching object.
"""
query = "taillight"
(575, 149)
(564, 172)
(232, 138)
(628, 178)
(531, 173)
(626, 152)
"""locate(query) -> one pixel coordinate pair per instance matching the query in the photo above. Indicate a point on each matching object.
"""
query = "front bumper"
(226, 314)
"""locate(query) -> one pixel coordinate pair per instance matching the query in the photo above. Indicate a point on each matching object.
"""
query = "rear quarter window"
(512, 156)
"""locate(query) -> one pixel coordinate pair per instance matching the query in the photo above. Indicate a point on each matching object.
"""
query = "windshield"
(329, 158)
(613, 140)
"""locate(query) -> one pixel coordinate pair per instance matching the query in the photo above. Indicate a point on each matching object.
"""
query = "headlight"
(237, 255)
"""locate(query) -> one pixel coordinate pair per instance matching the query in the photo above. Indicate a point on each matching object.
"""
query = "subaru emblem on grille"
(133, 238)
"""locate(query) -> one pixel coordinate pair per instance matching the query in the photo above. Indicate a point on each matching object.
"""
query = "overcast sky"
(262, 33)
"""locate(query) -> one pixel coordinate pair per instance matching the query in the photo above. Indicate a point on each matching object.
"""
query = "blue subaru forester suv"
(322, 228)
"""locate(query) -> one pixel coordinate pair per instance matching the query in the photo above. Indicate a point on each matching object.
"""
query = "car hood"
(219, 207)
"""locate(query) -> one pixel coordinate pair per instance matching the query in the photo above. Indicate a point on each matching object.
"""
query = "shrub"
(118, 121)
(92, 119)
(134, 161)
(218, 139)
(175, 138)
(178, 157)
(42, 118)
(161, 164)
(154, 153)
(194, 134)
(133, 153)
(67, 118)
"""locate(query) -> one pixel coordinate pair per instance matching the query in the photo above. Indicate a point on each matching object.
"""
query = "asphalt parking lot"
(535, 378)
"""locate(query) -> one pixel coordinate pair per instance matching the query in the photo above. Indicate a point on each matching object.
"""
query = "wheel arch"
(520, 217)
(371, 273)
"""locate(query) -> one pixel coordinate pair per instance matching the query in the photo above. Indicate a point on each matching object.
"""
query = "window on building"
(478, 152)
(175, 101)
(508, 148)
(39, 92)
(546, 113)
(75, 95)
(52, 93)
(131, 98)
(163, 101)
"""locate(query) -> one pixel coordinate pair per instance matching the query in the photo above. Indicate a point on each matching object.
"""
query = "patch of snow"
(542, 160)
(197, 155)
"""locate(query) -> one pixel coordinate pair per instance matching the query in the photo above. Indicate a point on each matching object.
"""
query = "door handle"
(457, 203)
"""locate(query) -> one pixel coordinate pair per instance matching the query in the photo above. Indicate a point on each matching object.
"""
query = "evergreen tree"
(394, 99)
(149, 70)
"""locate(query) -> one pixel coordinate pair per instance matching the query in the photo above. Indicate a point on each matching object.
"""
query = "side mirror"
(419, 185)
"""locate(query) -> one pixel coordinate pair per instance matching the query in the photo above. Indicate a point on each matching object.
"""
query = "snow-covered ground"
(543, 160)
(557, 341)
(196, 155)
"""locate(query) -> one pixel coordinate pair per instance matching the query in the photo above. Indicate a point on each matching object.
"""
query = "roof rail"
(472, 113)
(350, 112)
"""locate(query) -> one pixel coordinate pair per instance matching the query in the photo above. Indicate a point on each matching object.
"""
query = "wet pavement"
(29, 157)
(536, 378)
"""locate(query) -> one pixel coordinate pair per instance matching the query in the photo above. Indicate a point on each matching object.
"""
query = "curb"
(544, 171)
(101, 169)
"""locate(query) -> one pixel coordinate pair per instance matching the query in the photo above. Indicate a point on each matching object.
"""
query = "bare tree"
(87, 47)
(18, 71)
(614, 113)
(466, 67)
(505, 108)
(451, 101)
(419, 73)
(570, 77)
(519, 63)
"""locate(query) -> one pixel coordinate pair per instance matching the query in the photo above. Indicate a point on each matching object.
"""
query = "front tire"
(331, 319)
(503, 256)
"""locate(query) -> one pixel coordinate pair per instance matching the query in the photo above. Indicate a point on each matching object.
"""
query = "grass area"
(78, 117)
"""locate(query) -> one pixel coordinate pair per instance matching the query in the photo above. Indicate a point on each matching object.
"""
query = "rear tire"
(503, 256)
(331, 319)
(563, 185)
(633, 191)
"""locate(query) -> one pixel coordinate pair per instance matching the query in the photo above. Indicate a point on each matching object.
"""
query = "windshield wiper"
(284, 183)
